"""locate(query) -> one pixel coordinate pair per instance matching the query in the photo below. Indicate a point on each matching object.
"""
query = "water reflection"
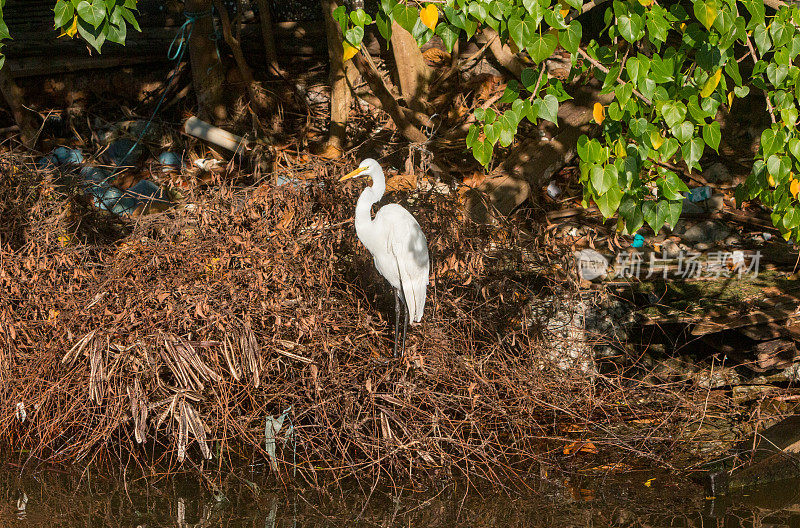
(632, 501)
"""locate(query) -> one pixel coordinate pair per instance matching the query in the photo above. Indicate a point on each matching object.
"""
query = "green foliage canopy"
(669, 70)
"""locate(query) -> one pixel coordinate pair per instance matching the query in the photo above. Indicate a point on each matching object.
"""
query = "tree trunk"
(412, 72)
(340, 73)
(207, 74)
(256, 98)
(14, 96)
(273, 68)
(370, 73)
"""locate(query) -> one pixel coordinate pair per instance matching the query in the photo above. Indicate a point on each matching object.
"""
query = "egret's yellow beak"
(352, 174)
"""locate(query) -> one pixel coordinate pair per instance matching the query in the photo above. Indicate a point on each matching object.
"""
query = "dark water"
(639, 499)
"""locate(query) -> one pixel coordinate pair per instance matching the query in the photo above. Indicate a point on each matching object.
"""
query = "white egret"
(398, 247)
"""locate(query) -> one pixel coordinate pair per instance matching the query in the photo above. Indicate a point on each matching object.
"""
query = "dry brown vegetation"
(164, 341)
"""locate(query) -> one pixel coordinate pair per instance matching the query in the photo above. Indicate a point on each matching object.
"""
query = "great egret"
(398, 247)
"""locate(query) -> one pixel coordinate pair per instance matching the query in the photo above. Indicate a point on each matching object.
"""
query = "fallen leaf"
(580, 447)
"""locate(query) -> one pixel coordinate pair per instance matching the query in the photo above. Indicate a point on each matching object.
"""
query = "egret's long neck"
(364, 226)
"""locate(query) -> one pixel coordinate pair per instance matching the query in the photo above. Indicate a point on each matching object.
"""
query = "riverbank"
(169, 342)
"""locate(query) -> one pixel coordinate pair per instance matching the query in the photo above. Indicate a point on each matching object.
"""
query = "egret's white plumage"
(395, 240)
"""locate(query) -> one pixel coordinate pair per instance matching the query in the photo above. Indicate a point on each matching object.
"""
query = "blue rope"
(182, 38)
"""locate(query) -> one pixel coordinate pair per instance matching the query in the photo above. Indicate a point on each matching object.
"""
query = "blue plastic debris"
(66, 155)
(95, 175)
(698, 194)
(638, 241)
(45, 162)
(119, 152)
(60, 156)
(170, 159)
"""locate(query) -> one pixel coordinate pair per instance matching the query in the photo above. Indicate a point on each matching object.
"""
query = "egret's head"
(368, 167)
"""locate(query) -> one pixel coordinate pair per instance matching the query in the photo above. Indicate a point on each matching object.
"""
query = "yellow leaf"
(619, 149)
(787, 235)
(429, 16)
(794, 187)
(656, 139)
(599, 113)
(72, 30)
(711, 14)
(771, 181)
(349, 52)
(649, 482)
(683, 27)
(711, 84)
(730, 99)
(646, 2)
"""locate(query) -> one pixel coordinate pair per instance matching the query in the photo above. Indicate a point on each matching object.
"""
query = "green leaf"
(770, 142)
(777, 73)
(117, 34)
(655, 213)
(741, 91)
(712, 135)
(683, 131)
(492, 132)
(511, 92)
(508, 129)
(529, 77)
(482, 151)
(761, 38)
(604, 178)
(706, 12)
(472, 136)
(449, 35)
(548, 108)
(732, 69)
(637, 68)
(692, 151)
(673, 112)
(662, 70)
(794, 148)
(384, 23)
(570, 38)
(542, 47)
(609, 202)
(354, 36)
(360, 17)
(64, 11)
(669, 148)
(657, 26)
(671, 186)
(631, 212)
(95, 37)
(638, 126)
(623, 93)
(405, 16)
(630, 28)
(127, 14)
(94, 14)
(673, 212)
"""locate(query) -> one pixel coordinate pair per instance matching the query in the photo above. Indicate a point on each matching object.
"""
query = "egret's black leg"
(405, 327)
(397, 304)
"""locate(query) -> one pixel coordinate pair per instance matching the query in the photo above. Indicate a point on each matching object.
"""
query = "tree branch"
(605, 70)
(369, 72)
(766, 96)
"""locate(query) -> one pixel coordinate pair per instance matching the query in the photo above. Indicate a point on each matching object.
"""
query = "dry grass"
(167, 342)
